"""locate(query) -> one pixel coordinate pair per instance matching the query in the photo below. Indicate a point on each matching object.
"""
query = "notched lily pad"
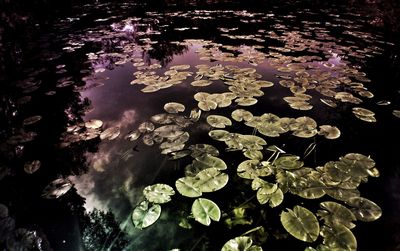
(145, 214)
(205, 210)
(158, 193)
(242, 243)
(218, 121)
(174, 107)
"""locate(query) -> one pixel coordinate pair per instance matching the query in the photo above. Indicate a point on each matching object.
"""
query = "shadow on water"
(62, 68)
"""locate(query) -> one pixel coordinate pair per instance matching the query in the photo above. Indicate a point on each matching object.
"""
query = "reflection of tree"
(102, 232)
(164, 51)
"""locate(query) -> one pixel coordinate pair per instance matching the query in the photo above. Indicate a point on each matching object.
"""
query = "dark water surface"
(91, 67)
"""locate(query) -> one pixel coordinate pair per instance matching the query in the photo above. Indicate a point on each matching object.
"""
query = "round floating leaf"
(335, 212)
(338, 237)
(187, 186)
(174, 107)
(203, 149)
(219, 135)
(364, 209)
(289, 162)
(276, 198)
(158, 193)
(211, 161)
(242, 243)
(169, 131)
(301, 223)
(218, 121)
(110, 133)
(211, 179)
(93, 124)
(329, 132)
(31, 167)
(207, 105)
(133, 135)
(205, 210)
(146, 127)
(56, 188)
(201, 83)
(241, 114)
(143, 215)
(251, 169)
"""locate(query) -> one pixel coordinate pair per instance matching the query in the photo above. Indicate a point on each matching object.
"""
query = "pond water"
(202, 129)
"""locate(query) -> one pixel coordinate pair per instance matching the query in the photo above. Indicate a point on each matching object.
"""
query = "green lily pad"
(187, 186)
(158, 193)
(219, 135)
(242, 243)
(211, 180)
(203, 149)
(218, 121)
(364, 209)
(201, 82)
(251, 169)
(288, 162)
(146, 127)
(329, 132)
(205, 210)
(338, 237)
(174, 107)
(145, 215)
(336, 213)
(301, 223)
(241, 114)
(169, 131)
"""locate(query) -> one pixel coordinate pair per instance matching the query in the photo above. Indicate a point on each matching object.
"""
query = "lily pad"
(187, 186)
(336, 213)
(93, 124)
(338, 237)
(241, 114)
(211, 179)
(174, 107)
(218, 121)
(205, 210)
(158, 193)
(31, 167)
(110, 133)
(145, 214)
(56, 188)
(301, 223)
(364, 209)
(288, 162)
(242, 243)
(329, 132)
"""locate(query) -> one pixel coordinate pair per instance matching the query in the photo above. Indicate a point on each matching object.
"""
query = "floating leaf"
(174, 107)
(288, 162)
(242, 243)
(335, 212)
(205, 210)
(110, 133)
(31, 120)
(145, 215)
(329, 132)
(396, 113)
(364, 209)
(187, 186)
(146, 127)
(169, 131)
(93, 124)
(338, 237)
(158, 193)
(133, 135)
(218, 121)
(301, 223)
(251, 169)
(241, 114)
(31, 167)
(56, 188)
(203, 149)
(211, 179)
(201, 83)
